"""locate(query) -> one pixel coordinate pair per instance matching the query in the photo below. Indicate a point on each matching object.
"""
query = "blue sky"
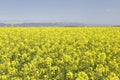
(84, 11)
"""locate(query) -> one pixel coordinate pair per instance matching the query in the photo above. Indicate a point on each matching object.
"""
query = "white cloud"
(108, 10)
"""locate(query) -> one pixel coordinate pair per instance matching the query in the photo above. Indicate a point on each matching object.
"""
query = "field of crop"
(60, 53)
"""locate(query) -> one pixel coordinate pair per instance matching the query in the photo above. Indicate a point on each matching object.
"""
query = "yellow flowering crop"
(86, 53)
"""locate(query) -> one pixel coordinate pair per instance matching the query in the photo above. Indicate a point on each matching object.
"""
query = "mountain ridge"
(38, 24)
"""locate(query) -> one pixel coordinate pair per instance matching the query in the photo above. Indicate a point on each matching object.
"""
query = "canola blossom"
(81, 53)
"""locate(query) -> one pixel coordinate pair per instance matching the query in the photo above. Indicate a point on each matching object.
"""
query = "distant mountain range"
(2, 24)
(49, 24)
(44, 24)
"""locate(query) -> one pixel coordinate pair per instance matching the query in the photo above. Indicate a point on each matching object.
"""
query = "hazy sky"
(85, 11)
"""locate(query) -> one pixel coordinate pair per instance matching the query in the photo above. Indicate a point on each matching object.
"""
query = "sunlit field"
(80, 53)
